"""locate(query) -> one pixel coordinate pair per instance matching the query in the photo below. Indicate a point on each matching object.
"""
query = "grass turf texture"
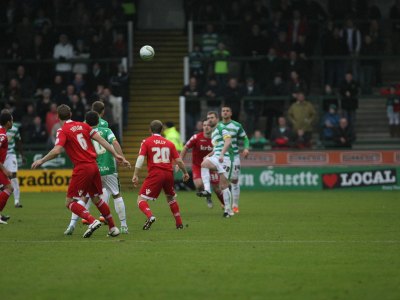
(286, 245)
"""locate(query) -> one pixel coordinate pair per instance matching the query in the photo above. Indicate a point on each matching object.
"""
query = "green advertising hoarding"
(60, 162)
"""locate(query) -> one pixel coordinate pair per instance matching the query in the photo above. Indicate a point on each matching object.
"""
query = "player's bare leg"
(198, 183)
(144, 207)
(4, 195)
(119, 206)
(173, 205)
(104, 209)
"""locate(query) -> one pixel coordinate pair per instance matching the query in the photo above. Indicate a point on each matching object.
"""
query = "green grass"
(282, 245)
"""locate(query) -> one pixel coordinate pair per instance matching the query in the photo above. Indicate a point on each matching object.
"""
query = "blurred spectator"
(95, 77)
(253, 107)
(294, 63)
(43, 105)
(221, 67)
(352, 36)
(367, 66)
(296, 27)
(282, 45)
(77, 108)
(13, 94)
(212, 92)
(53, 135)
(119, 83)
(329, 98)
(195, 62)
(41, 20)
(79, 83)
(271, 66)
(295, 84)
(51, 118)
(37, 131)
(198, 127)
(395, 34)
(276, 25)
(39, 51)
(81, 52)
(281, 135)
(302, 139)
(273, 108)
(58, 90)
(302, 115)
(63, 51)
(97, 49)
(343, 135)
(25, 82)
(286, 9)
(115, 104)
(374, 31)
(258, 141)
(119, 48)
(233, 95)
(14, 52)
(172, 134)
(209, 11)
(107, 34)
(24, 33)
(369, 11)
(27, 121)
(329, 122)
(349, 92)
(260, 12)
(393, 111)
(209, 40)
(192, 92)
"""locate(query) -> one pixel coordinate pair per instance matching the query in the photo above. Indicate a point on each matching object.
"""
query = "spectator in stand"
(295, 84)
(212, 92)
(329, 122)
(367, 66)
(24, 33)
(286, 10)
(173, 135)
(112, 111)
(119, 48)
(96, 77)
(302, 115)
(316, 15)
(252, 107)
(258, 141)
(209, 11)
(39, 51)
(276, 25)
(270, 66)
(63, 51)
(329, 98)
(209, 40)
(343, 135)
(376, 35)
(79, 83)
(370, 11)
(282, 45)
(349, 92)
(273, 108)
(233, 95)
(37, 131)
(53, 135)
(260, 12)
(13, 94)
(26, 83)
(119, 84)
(294, 63)
(43, 105)
(196, 63)
(281, 135)
(97, 49)
(14, 51)
(352, 36)
(393, 111)
(51, 118)
(27, 121)
(81, 52)
(296, 27)
(395, 20)
(192, 92)
(221, 66)
(77, 108)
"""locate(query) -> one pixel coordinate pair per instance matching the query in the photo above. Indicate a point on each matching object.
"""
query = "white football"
(147, 52)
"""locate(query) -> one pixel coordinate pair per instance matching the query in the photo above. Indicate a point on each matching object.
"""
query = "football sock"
(88, 204)
(15, 185)
(4, 195)
(81, 211)
(144, 207)
(173, 205)
(235, 194)
(104, 209)
(120, 209)
(105, 196)
(74, 217)
(220, 197)
(227, 199)
(205, 176)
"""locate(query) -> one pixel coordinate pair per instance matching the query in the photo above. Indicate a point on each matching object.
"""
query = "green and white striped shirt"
(236, 131)
(218, 137)
(12, 136)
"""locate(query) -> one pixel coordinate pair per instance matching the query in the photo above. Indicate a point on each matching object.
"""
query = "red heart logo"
(330, 180)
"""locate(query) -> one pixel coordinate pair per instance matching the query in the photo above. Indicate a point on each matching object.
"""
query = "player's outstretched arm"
(49, 156)
(110, 149)
(138, 166)
(181, 166)
(227, 144)
(246, 145)
(118, 149)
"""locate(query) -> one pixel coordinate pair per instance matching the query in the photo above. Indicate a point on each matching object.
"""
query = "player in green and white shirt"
(236, 132)
(99, 107)
(11, 162)
(218, 160)
(108, 171)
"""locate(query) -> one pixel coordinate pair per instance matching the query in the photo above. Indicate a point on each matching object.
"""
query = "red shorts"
(85, 179)
(4, 180)
(155, 182)
(196, 171)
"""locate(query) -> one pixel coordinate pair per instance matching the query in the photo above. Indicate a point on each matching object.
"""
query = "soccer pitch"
(282, 245)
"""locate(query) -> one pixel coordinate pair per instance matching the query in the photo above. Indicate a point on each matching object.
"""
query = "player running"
(236, 132)
(201, 146)
(6, 122)
(76, 137)
(160, 154)
(219, 160)
(108, 172)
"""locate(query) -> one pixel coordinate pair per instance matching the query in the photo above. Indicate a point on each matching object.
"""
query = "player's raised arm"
(181, 166)
(49, 156)
(110, 149)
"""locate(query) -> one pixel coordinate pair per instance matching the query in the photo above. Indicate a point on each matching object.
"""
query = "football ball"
(147, 52)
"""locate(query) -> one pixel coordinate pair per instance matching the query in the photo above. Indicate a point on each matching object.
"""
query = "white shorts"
(11, 163)
(111, 183)
(235, 168)
(222, 168)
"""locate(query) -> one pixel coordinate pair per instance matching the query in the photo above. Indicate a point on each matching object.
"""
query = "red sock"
(104, 209)
(4, 195)
(81, 211)
(173, 205)
(144, 207)
(220, 197)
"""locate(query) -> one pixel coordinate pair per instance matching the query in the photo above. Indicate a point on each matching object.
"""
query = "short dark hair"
(5, 117)
(98, 107)
(213, 113)
(169, 124)
(92, 118)
(226, 106)
(64, 112)
(156, 126)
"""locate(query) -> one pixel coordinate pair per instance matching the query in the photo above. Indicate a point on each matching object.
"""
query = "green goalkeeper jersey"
(218, 136)
(236, 131)
(105, 160)
(12, 136)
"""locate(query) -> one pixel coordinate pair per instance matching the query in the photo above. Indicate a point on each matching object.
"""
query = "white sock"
(120, 209)
(226, 193)
(15, 185)
(105, 196)
(235, 194)
(74, 217)
(205, 176)
(87, 205)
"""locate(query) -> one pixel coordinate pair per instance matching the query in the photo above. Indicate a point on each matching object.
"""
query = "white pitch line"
(202, 241)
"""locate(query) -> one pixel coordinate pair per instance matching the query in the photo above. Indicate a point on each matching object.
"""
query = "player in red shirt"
(76, 137)
(6, 122)
(201, 146)
(160, 154)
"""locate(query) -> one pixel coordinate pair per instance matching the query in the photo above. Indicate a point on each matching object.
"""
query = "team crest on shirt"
(148, 191)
